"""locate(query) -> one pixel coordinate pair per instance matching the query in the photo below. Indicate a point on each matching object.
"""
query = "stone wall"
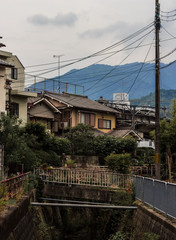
(147, 220)
(16, 223)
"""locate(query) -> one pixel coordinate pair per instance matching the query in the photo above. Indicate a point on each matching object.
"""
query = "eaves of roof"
(48, 103)
(5, 64)
(58, 100)
(80, 102)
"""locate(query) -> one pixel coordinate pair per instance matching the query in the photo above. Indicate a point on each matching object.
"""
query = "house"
(126, 133)
(59, 111)
(132, 120)
(142, 142)
(3, 67)
(15, 79)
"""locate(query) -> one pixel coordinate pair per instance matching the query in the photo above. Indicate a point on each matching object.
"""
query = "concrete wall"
(17, 222)
(148, 221)
(87, 193)
(22, 101)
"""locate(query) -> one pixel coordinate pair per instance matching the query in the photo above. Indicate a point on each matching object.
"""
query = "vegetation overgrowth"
(30, 146)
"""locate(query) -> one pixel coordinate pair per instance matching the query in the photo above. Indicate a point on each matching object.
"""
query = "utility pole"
(157, 90)
(133, 107)
(58, 58)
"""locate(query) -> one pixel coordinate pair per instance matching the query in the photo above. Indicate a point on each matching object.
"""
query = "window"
(14, 73)
(15, 109)
(88, 118)
(104, 124)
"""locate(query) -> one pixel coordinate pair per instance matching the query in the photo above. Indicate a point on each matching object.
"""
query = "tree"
(145, 156)
(168, 139)
(47, 148)
(82, 139)
(16, 149)
(105, 145)
(30, 145)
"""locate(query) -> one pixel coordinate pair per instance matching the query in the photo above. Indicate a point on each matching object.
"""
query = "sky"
(36, 30)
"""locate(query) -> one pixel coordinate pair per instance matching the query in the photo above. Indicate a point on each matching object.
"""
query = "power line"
(120, 62)
(141, 68)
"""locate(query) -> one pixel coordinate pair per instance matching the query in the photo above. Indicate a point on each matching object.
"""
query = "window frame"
(15, 108)
(88, 118)
(14, 73)
(103, 122)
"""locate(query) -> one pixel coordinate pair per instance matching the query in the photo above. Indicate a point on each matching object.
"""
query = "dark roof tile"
(81, 102)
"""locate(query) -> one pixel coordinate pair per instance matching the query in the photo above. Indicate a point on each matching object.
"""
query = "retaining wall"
(81, 192)
(16, 223)
(147, 220)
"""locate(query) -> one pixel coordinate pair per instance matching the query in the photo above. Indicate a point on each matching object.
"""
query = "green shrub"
(105, 145)
(70, 162)
(150, 236)
(60, 145)
(119, 162)
(118, 236)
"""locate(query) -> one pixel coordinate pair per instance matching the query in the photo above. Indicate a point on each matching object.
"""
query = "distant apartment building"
(121, 98)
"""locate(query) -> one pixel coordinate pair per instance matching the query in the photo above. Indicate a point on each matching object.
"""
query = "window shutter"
(92, 120)
(87, 118)
(100, 123)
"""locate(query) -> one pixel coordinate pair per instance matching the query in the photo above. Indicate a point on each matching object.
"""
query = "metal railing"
(10, 187)
(158, 194)
(91, 177)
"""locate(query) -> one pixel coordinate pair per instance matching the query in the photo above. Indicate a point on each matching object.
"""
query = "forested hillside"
(137, 79)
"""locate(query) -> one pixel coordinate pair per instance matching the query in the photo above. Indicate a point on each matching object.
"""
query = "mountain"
(137, 79)
(166, 97)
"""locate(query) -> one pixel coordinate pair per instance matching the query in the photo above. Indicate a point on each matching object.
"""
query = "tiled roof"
(5, 64)
(81, 102)
(123, 133)
(33, 99)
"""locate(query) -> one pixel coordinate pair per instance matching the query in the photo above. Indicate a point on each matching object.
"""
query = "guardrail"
(91, 177)
(10, 187)
(158, 194)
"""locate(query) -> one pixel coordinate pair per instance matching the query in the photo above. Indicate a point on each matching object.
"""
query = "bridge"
(159, 195)
(87, 177)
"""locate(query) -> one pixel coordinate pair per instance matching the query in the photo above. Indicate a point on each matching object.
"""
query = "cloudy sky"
(36, 30)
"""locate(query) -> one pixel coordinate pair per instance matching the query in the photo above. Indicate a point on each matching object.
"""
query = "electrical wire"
(146, 35)
(141, 67)
(169, 11)
(168, 32)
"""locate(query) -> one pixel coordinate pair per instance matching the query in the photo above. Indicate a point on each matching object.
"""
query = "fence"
(100, 178)
(158, 194)
(12, 186)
